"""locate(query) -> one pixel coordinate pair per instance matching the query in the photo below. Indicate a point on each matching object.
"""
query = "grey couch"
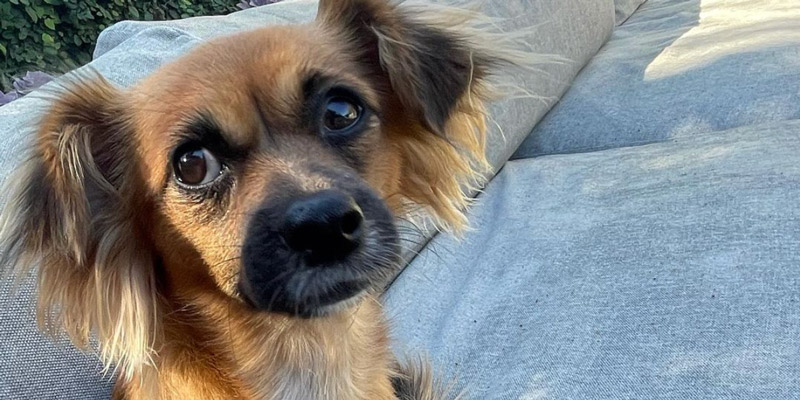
(642, 243)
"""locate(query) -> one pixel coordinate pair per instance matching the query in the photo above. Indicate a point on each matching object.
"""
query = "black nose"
(326, 226)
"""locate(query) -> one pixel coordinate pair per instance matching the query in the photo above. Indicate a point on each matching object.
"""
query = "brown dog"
(224, 226)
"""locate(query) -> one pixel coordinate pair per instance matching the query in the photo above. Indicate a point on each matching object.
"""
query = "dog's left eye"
(196, 166)
(341, 115)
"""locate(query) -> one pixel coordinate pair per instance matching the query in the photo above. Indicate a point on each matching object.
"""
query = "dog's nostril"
(351, 222)
(326, 225)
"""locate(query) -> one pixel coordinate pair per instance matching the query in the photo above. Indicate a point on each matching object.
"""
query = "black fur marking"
(205, 131)
(403, 388)
(441, 73)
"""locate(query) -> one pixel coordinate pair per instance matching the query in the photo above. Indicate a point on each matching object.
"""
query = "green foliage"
(59, 35)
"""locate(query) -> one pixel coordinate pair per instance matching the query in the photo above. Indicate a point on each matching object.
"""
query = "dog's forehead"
(268, 66)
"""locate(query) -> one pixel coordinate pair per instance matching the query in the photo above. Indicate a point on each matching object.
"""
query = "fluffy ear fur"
(430, 69)
(437, 75)
(66, 217)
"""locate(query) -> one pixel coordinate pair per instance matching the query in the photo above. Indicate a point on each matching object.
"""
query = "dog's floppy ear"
(429, 68)
(70, 215)
(436, 73)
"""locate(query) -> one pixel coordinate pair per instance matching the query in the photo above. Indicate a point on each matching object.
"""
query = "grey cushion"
(624, 8)
(285, 12)
(666, 271)
(680, 68)
(33, 367)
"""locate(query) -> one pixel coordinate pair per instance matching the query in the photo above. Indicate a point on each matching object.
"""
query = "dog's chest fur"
(347, 357)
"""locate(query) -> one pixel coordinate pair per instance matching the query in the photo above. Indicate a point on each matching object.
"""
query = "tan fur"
(124, 255)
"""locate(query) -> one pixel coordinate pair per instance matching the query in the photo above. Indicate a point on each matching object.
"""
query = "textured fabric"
(624, 8)
(33, 367)
(665, 271)
(679, 68)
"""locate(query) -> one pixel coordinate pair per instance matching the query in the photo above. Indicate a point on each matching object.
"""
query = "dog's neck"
(217, 348)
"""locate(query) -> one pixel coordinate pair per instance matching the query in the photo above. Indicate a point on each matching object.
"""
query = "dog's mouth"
(320, 297)
(311, 294)
(318, 254)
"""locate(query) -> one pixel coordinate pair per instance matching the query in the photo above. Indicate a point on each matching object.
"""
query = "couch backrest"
(624, 8)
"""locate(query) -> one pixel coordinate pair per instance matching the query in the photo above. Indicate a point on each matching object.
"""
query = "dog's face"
(270, 171)
(268, 167)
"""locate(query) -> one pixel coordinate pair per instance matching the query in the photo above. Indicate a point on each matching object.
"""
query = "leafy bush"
(59, 35)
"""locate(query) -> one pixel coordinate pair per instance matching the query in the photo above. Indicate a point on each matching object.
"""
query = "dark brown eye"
(196, 166)
(341, 114)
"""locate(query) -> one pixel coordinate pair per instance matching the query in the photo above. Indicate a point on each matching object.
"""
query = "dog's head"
(266, 168)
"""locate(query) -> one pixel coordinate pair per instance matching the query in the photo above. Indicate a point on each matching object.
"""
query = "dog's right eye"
(340, 114)
(196, 166)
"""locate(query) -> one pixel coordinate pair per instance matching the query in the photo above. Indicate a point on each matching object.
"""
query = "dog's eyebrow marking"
(318, 83)
(314, 83)
(205, 129)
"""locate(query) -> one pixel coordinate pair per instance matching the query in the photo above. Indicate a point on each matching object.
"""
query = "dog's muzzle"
(308, 254)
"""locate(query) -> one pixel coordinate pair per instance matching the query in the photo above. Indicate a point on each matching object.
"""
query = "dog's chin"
(317, 293)
(336, 307)
(311, 293)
